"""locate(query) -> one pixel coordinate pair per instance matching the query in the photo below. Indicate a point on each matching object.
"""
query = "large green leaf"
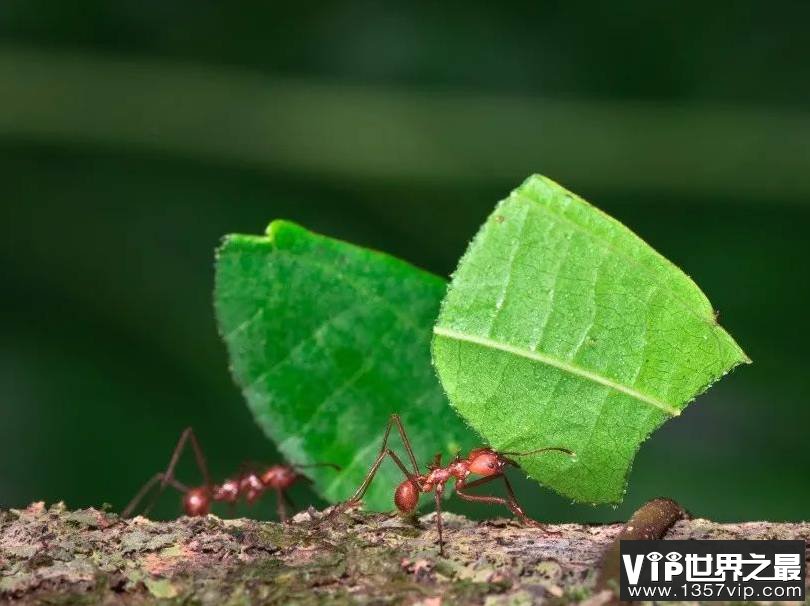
(326, 340)
(563, 328)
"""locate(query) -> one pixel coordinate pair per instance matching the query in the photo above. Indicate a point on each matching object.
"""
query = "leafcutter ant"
(484, 462)
(250, 485)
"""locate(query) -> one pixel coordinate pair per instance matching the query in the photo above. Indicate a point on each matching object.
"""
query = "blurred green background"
(133, 135)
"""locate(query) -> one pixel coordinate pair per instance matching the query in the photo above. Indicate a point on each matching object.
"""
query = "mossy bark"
(52, 555)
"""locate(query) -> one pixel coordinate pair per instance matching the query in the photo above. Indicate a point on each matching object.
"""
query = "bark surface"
(52, 555)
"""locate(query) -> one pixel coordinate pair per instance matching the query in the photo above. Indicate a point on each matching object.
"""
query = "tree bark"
(52, 555)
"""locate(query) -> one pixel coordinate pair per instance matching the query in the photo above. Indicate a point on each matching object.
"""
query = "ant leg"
(515, 507)
(155, 479)
(187, 436)
(281, 508)
(167, 477)
(462, 486)
(358, 494)
(400, 464)
(438, 495)
(373, 471)
(437, 461)
(511, 503)
(133, 504)
(288, 499)
(518, 510)
(395, 419)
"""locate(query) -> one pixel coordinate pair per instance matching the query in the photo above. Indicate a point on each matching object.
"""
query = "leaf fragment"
(326, 340)
(561, 327)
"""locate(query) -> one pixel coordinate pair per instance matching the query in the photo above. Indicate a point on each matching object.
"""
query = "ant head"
(279, 476)
(486, 462)
(197, 502)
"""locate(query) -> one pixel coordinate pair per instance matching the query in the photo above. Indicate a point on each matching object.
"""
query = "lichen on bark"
(53, 555)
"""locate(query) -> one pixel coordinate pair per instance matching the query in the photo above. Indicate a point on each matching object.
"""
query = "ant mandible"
(249, 485)
(484, 462)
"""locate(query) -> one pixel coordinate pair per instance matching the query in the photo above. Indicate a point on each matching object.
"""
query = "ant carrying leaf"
(484, 462)
(249, 484)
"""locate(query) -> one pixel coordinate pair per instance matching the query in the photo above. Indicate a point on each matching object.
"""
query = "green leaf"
(326, 340)
(561, 327)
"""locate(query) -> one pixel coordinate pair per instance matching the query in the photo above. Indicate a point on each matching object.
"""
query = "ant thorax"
(436, 477)
(227, 492)
(251, 486)
(441, 475)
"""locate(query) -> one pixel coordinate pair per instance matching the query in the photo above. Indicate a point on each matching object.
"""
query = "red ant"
(484, 462)
(250, 485)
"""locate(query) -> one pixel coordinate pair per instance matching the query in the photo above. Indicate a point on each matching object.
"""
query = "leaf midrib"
(572, 369)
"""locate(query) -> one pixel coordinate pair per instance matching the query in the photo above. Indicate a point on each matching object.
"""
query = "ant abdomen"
(196, 502)
(406, 496)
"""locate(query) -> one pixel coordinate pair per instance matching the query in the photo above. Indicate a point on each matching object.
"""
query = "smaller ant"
(249, 484)
(484, 462)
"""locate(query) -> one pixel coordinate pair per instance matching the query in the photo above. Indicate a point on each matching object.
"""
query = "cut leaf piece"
(326, 340)
(561, 327)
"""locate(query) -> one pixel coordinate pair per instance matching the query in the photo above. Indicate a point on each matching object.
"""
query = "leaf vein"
(610, 246)
(559, 364)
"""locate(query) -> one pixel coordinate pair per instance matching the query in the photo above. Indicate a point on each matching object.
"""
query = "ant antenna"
(539, 450)
(332, 465)
(514, 463)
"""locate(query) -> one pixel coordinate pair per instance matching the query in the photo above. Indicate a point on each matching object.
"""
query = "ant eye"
(491, 465)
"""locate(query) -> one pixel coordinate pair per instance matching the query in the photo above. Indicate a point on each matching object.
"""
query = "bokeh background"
(133, 135)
